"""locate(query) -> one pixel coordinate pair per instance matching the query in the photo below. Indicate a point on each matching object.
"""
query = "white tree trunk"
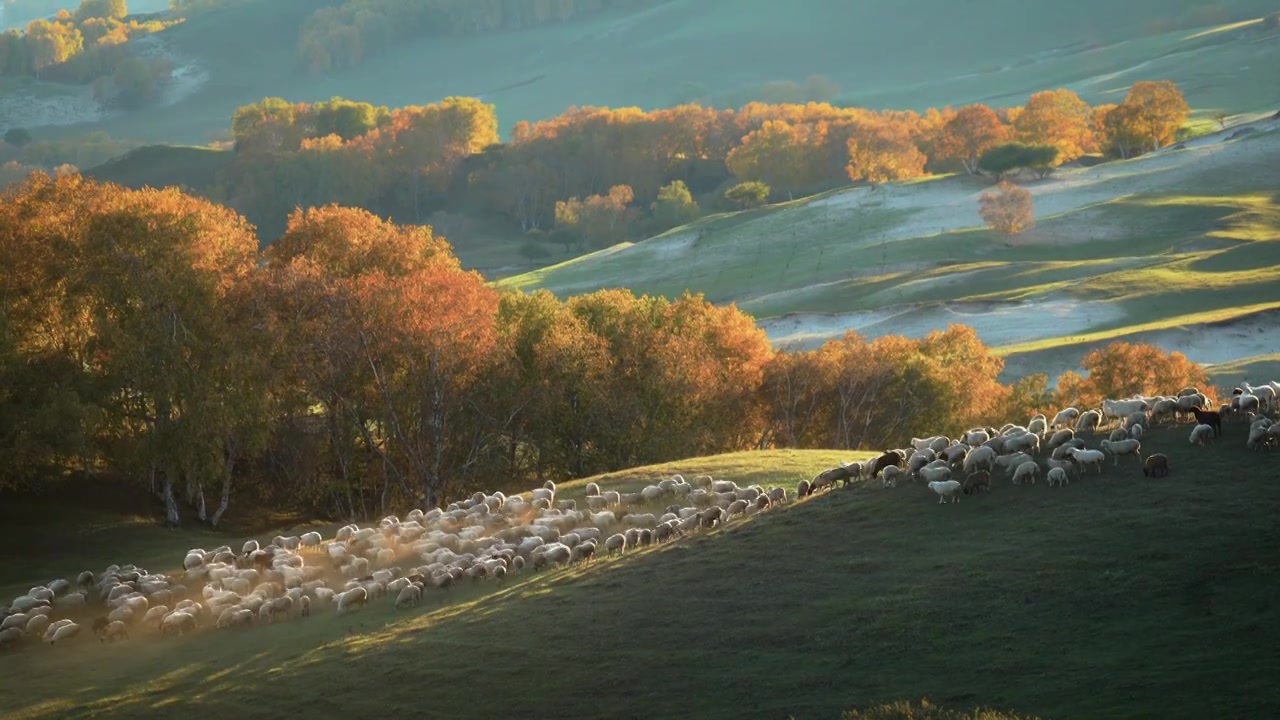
(170, 503)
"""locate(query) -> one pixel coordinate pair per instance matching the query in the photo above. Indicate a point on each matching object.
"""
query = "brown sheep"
(977, 482)
(1156, 465)
(802, 489)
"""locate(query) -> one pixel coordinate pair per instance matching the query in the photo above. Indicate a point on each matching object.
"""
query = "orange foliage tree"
(1123, 369)
(1154, 111)
(1059, 118)
(1008, 209)
(973, 130)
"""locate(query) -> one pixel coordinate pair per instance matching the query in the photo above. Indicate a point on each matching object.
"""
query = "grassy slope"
(953, 55)
(1117, 597)
(1161, 242)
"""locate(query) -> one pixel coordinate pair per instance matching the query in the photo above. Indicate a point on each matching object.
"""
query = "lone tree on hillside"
(748, 194)
(1008, 209)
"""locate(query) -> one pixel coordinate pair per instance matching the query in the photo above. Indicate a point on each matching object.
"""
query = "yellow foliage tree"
(1059, 118)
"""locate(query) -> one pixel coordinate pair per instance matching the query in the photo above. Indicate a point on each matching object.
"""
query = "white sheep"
(1201, 434)
(64, 632)
(1088, 421)
(1088, 457)
(890, 475)
(350, 599)
(1122, 447)
(1065, 417)
(1028, 470)
(935, 474)
(1136, 430)
(114, 630)
(1057, 476)
(947, 489)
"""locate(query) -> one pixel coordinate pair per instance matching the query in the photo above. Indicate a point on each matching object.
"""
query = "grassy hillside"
(1117, 596)
(1181, 239)
(882, 53)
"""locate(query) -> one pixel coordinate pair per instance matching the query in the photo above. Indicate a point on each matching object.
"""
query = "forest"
(592, 177)
(353, 366)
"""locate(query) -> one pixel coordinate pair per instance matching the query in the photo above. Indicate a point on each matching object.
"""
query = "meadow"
(879, 53)
(1185, 238)
(1117, 596)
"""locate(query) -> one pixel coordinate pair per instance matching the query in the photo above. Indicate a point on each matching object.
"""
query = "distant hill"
(878, 53)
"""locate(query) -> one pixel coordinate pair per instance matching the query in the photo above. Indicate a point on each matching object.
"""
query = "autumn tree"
(883, 151)
(600, 220)
(1059, 118)
(1155, 112)
(973, 130)
(1008, 209)
(1123, 369)
(779, 154)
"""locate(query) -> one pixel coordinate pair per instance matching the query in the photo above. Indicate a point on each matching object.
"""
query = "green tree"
(17, 137)
(748, 194)
(675, 206)
(1012, 157)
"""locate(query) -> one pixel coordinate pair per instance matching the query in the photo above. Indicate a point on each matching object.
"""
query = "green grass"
(933, 53)
(1117, 597)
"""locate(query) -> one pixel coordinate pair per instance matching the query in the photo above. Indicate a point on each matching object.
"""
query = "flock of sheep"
(1060, 444)
(484, 538)
(491, 536)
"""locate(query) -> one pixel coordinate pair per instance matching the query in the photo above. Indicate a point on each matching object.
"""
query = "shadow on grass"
(1156, 596)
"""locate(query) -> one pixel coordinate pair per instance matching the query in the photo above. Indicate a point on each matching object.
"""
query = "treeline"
(353, 365)
(414, 161)
(88, 46)
(343, 35)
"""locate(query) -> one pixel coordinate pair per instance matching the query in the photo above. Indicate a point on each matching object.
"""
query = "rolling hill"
(882, 54)
(1180, 247)
(1117, 596)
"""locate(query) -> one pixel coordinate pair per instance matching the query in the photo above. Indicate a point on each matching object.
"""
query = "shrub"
(1009, 209)
(748, 194)
(17, 137)
(1012, 157)
(533, 250)
(925, 710)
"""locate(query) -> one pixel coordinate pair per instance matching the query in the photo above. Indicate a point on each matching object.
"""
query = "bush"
(748, 194)
(533, 250)
(17, 137)
(925, 710)
(1012, 157)
(1009, 209)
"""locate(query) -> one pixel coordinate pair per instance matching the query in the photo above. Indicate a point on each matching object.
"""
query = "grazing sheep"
(1028, 470)
(890, 475)
(1057, 476)
(1156, 465)
(1118, 434)
(1201, 434)
(1122, 447)
(1088, 457)
(886, 459)
(979, 458)
(947, 490)
(977, 482)
(351, 599)
(1065, 417)
(11, 636)
(1136, 430)
(935, 474)
(114, 631)
(1060, 438)
(802, 489)
(1088, 421)
(178, 622)
(65, 632)
(410, 596)
(1212, 418)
